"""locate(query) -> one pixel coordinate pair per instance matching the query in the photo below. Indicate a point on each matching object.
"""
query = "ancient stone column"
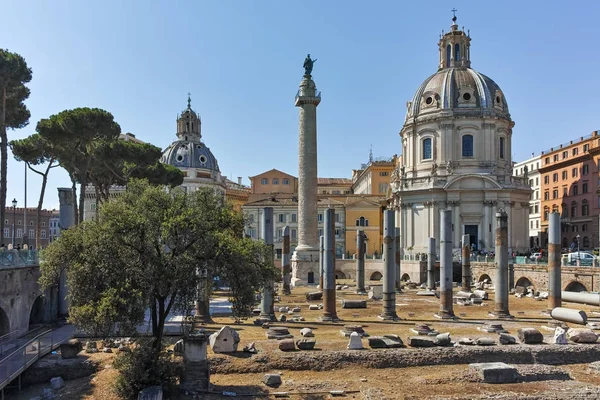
(501, 283)
(446, 308)
(389, 267)
(202, 314)
(329, 311)
(196, 371)
(360, 261)
(266, 303)
(466, 263)
(398, 259)
(286, 268)
(321, 260)
(431, 264)
(305, 256)
(554, 246)
(66, 218)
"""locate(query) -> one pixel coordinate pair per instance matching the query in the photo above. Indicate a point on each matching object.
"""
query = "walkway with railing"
(14, 258)
(20, 353)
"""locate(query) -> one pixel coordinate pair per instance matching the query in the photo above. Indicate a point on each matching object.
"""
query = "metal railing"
(17, 361)
(10, 258)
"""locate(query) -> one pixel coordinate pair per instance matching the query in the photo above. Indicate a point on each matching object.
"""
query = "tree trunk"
(38, 228)
(75, 212)
(82, 199)
(3, 161)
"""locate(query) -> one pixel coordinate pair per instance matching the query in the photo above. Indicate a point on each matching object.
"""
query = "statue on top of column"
(308, 65)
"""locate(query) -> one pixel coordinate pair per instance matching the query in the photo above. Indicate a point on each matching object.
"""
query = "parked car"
(585, 258)
(536, 256)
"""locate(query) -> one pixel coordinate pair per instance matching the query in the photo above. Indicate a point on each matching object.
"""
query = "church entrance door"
(472, 231)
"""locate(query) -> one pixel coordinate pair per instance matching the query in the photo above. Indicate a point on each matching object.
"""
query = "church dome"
(190, 154)
(457, 89)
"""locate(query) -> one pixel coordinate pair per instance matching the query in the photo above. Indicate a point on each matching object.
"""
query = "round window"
(429, 100)
(467, 96)
(179, 158)
(202, 159)
(498, 99)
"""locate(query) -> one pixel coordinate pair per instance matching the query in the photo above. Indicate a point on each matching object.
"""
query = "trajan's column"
(305, 261)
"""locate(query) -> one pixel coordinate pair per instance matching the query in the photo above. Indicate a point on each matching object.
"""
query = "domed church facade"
(192, 156)
(456, 155)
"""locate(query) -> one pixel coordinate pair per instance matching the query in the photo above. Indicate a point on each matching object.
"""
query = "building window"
(585, 169)
(536, 208)
(294, 217)
(32, 233)
(281, 217)
(565, 175)
(294, 234)
(467, 146)
(555, 194)
(565, 211)
(573, 209)
(43, 234)
(574, 229)
(383, 187)
(547, 160)
(584, 209)
(320, 232)
(502, 140)
(456, 52)
(336, 192)
(337, 233)
(252, 233)
(275, 181)
(584, 187)
(448, 55)
(546, 195)
(320, 218)
(575, 190)
(586, 147)
(362, 221)
(547, 179)
(565, 191)
(251, 218)
(19, 233)
(565, 154)
(285, 181)
(19, 222)
(7, 231)
(264, 181)
(546, 212)
(337, 217)
(383, 173)
(586, 241)
(575, 151)
(584, 228)
(555, 177)
(93, 206)
(427, 153)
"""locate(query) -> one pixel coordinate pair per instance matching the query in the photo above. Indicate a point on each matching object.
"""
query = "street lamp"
(14, 204)
(578, 255)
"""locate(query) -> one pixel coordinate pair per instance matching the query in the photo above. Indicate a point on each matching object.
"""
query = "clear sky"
(242, 62)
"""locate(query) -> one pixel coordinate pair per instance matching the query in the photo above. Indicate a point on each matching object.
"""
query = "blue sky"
(242, 62)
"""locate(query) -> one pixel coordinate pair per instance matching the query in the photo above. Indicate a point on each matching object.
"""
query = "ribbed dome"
(460, 90)
(190, 154)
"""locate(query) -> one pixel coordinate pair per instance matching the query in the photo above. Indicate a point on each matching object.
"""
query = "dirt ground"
(237, 372)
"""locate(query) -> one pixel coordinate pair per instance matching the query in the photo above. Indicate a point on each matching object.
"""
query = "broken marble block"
(420, 341)
(313, 307)
(496, 372)
(307, 332)
(354, 304)
(347, 330)
(485, 341)
(424, 330)
(582, 335)
(278, 332)
(306, 344)
(560, 336)
(287, 345)
(466, 341)
(385, 342)
(225, 340)
(314, 296)
(480, 294)
(355, 342)
(530, 336)
(505, 338)
(272, 380)
(443, 339)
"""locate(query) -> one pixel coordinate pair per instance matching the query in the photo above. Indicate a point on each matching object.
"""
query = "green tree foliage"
(145, 251)
(75, 135)
(34, 150)
(14, 74)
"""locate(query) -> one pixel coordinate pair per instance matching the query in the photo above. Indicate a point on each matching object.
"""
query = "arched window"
(467, 146)
(427, 149)
(502, 147)
(448, 55)
(584, 208)
(586, 241)
(457, 52)
(546, 212)
(362, 221)
(573, 209)
(565, 211)
(555, 208)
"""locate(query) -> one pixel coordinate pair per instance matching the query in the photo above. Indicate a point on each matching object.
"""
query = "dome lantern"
(189, 124)
(455, 47)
